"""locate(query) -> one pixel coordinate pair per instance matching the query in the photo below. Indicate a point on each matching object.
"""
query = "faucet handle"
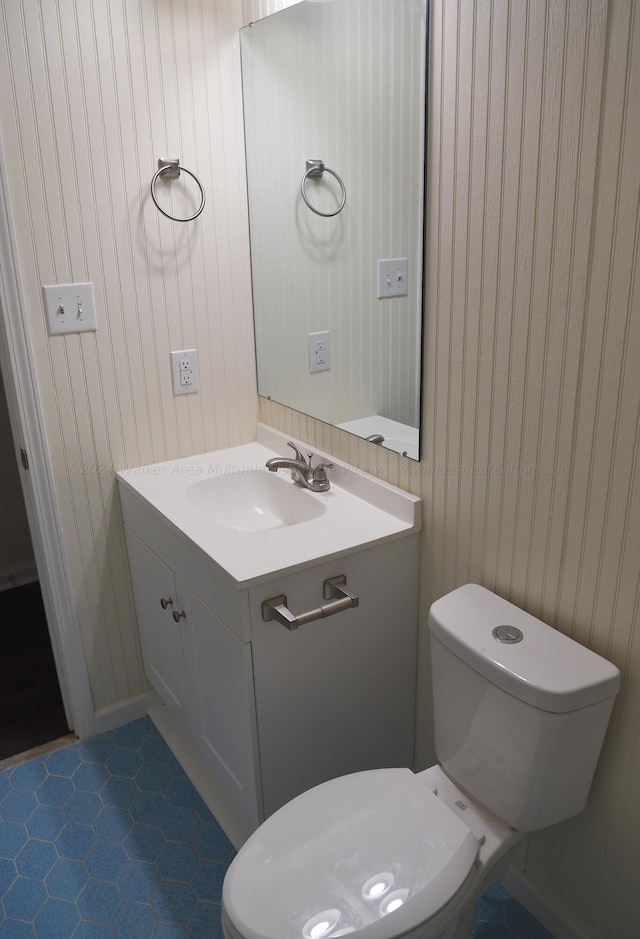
(299, 456)
(319, 472)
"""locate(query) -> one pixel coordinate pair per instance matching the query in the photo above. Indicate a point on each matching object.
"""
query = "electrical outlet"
(184, 371)
(319, 351)
(393, 276)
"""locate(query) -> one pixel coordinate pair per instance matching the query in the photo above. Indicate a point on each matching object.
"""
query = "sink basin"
(401, 445)
(254, 502)
(253, 524)
(397, 436)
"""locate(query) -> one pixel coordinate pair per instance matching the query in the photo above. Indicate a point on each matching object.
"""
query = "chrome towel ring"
(316, 168)
(171, 169)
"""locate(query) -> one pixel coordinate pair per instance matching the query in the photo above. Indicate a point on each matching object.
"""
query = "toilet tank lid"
(545, 668)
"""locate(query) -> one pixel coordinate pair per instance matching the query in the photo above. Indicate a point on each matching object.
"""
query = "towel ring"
(172, 169)
(316, 168)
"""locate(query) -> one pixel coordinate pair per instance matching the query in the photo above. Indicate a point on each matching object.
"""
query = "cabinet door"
(160, 635)
(337, 695)
(224, 706)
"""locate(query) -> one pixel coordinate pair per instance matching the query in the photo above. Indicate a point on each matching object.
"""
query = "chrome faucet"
(311, 477)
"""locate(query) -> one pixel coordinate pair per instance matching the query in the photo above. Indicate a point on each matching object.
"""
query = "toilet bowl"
(423, 851)
(520, 715)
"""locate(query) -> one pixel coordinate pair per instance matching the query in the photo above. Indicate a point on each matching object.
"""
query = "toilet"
(520, 716)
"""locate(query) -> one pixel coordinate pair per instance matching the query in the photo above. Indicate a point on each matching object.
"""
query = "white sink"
(253, 524)
(397, 436)
(255, 502)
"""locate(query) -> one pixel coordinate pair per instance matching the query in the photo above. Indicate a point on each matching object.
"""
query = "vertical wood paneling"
(253, 10)
(531, 395)
(93, 94)
(600, 583)
(531, 403)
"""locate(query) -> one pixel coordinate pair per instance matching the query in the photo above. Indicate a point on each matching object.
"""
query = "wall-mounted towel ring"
(316, 168)
(171, 169)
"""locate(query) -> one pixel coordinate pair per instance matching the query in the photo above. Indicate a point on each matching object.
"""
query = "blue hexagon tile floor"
(107, 839)
(500, 916)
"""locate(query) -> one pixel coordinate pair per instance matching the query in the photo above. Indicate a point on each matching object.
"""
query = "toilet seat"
(373, 854)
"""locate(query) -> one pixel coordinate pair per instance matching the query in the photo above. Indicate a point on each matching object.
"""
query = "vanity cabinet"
(200, 669)
(280, 711)
(274, 711)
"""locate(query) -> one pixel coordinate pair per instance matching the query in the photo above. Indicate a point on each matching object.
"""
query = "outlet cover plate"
(319, 351)
(184, 371)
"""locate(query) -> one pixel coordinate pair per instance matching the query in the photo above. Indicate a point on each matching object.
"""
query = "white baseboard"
(542, 906)
(214, 795)
(13, 578)
(126, 711)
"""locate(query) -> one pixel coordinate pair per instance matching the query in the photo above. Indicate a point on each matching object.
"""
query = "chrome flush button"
(509, 634)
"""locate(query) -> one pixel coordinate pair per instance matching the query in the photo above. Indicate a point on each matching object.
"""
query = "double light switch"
(70, 308)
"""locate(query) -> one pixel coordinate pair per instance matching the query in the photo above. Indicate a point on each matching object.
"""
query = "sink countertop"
(358, 511)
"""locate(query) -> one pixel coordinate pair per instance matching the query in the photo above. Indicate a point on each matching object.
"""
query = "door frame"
(38, 483)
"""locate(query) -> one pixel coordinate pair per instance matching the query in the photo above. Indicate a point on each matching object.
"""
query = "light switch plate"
(70, 308)
(393, 277)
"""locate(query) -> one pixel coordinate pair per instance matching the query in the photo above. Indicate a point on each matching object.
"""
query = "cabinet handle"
(333, 588)
(177, 615)
(165, 603)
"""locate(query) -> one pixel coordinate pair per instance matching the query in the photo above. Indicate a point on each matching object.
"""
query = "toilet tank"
(518, 724)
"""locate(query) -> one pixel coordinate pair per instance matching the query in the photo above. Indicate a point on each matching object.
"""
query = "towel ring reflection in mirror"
(171, 169)
(315, 169)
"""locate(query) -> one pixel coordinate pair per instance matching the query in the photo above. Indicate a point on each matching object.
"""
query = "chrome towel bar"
(334, 589)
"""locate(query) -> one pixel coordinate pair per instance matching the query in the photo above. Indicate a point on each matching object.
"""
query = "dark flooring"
(31, 709)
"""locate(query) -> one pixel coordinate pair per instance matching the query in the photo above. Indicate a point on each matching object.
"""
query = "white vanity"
(217, 543)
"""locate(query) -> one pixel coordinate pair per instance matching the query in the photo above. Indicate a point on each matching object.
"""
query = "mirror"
(334, 105)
